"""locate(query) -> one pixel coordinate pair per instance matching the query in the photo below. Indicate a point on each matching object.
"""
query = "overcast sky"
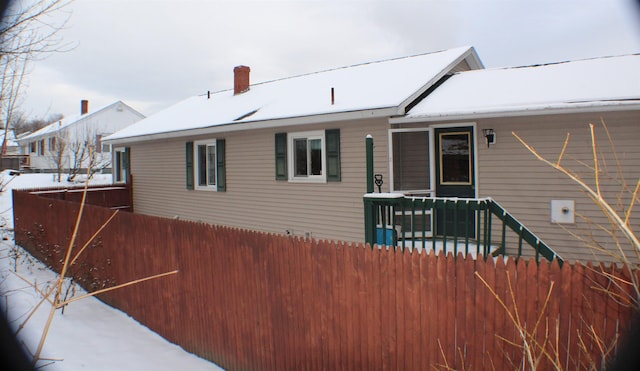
(153, 53)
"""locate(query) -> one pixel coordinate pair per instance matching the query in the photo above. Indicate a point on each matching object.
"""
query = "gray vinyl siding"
(254, 199)
(460, 67)
(525, 186)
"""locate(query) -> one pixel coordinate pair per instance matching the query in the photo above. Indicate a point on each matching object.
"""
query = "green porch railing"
(449, 224)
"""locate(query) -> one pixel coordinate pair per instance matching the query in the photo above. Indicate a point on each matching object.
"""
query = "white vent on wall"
(563, 211)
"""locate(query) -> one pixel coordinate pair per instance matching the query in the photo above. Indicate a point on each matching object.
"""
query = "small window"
(306, 156)
(312, 156)
(206, 163)
(41, 147)
(120, 165)
(52, 144)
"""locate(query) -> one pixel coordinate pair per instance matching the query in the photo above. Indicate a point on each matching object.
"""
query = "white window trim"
(317, 134)
(196, 165)
(117, 166)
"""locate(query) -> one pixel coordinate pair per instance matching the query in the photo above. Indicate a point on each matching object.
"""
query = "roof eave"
(531, 111)
(262, 124)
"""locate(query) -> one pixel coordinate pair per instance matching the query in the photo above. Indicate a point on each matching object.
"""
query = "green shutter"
(333, 154)
(189, 162)
(221, 170)
(281, 156)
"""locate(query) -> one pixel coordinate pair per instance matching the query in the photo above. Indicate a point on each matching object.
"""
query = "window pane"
(316, 156)
(411, 161)
(202, 165)
(300, 160)
(455, 158)
(211, 164)
(118, 163)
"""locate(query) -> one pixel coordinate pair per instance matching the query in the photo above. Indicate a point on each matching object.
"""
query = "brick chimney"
(84, 106)
(240, 79)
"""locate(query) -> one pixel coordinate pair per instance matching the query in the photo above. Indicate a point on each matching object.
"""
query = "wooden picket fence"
(250, 300)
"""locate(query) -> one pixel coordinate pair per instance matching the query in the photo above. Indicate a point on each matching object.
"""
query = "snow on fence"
(111, 196)
(250, 300)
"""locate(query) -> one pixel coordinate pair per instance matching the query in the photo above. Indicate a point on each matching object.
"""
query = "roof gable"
(385, 85)
(71, 120)
(590, 84)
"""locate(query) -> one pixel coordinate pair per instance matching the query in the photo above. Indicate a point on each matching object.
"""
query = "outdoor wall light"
(489, 136)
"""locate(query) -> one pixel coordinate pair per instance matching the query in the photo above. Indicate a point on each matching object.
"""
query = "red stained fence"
(250, 300)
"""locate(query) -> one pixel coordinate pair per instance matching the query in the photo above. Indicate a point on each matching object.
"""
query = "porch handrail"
(382, 210)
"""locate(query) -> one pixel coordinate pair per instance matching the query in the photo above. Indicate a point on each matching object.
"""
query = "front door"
(455, 176)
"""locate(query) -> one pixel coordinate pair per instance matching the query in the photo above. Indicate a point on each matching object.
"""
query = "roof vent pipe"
(240, 79)
(84, 106)
(333, 96)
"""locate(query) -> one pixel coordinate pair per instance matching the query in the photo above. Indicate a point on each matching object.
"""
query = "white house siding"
(254, 199)
(102, 122)
(525, 186)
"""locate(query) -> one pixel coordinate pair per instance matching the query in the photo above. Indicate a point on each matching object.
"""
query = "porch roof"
(606, 83)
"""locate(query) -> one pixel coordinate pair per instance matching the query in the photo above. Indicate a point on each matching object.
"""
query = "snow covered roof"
(590, 84)
(371, 89)
(64, 122)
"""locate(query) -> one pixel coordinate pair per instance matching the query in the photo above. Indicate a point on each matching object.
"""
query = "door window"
(455, 158)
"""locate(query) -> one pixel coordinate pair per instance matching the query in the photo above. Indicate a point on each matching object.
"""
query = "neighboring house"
(11, 157)
(65, 143)
(288, 156)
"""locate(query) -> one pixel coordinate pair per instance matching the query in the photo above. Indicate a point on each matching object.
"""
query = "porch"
(441, 212)
(473, 227)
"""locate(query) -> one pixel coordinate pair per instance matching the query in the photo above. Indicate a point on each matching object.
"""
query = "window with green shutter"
(310, 156)
(206, 165)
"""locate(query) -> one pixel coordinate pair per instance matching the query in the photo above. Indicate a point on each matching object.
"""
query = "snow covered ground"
(90, 335)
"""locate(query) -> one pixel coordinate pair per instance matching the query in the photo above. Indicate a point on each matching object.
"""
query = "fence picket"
(250, 300)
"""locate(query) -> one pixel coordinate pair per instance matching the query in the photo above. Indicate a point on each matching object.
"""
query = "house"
(288, 155)
(541, 104)
(65, 144)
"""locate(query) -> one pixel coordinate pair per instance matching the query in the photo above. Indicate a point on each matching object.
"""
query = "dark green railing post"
(369, 150)
(369, 222)
(369, 207)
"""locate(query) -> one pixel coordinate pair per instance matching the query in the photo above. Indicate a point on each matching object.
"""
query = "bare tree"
(82, 152)
(28, 32)
(58, 153)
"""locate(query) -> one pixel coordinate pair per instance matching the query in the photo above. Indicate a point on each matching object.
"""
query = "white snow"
(591, 83)
(90, 335)
(370, 86)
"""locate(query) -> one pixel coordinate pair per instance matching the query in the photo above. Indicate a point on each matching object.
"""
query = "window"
(121, 161)
(32, 147)
(455, 157)
(205, 165)
(312, 156)
(41, 147)
(306, 160)
(52, 144)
